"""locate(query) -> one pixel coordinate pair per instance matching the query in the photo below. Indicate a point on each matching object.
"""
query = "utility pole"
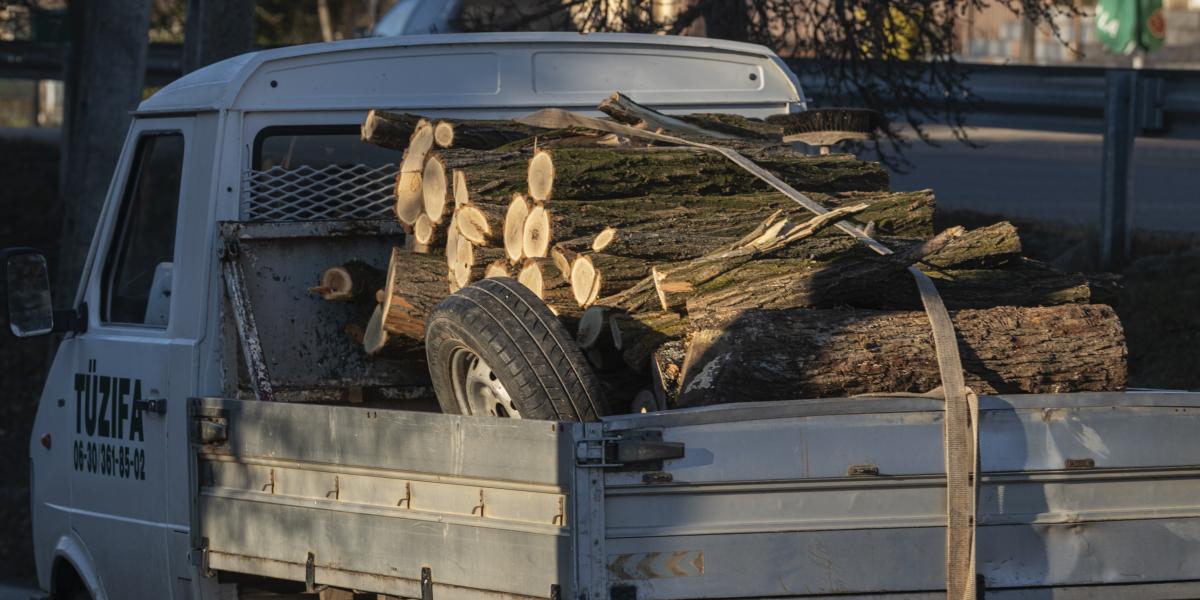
(105, 72)
(216, 30)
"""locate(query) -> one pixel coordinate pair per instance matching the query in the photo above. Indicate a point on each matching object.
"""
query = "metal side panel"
(367, 499)
(816, 498)
(280, 262)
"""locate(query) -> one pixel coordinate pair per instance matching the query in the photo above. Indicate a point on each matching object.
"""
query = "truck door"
(132, 370)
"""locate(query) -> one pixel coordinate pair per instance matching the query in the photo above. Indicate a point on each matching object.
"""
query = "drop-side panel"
(816, 498)
(369, 498)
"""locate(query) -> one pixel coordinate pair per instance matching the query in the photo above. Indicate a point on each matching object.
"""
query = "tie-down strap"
(961, 445)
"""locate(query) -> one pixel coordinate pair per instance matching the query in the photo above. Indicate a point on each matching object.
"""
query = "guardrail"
(1121, 104)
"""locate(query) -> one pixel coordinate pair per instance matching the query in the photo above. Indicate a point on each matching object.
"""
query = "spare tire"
(495, 349)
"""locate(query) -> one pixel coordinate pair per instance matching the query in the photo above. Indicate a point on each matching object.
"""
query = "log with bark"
(957, 260)
(751, 355)
(352, 282)
(392, 130)
(608, 173)
(415, 284)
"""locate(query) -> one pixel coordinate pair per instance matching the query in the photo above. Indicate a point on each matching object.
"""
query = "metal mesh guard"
(305, 193)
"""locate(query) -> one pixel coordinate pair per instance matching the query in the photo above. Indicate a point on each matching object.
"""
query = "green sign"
(1126, 26)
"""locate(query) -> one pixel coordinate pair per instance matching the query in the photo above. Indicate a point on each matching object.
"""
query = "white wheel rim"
(477, 389)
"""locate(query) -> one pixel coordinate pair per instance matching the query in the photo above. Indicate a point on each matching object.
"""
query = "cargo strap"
(960, 437)
(960, 431)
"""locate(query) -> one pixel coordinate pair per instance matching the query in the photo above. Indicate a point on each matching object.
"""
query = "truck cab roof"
(481, 72)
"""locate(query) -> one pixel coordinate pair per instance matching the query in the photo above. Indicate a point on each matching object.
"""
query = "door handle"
(154, 405)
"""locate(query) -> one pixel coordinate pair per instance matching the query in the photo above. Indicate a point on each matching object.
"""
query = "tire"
(496, 349)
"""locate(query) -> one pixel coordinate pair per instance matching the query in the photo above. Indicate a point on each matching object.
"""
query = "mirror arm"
(71, 320)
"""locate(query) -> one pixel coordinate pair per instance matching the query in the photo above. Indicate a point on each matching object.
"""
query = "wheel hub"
(477, 388)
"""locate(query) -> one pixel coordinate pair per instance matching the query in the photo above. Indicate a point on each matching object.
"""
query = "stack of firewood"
(690, 281)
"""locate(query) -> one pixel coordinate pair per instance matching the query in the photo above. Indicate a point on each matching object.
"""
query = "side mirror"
(27, 292)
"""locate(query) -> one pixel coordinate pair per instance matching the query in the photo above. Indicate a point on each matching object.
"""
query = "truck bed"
(1083, 495)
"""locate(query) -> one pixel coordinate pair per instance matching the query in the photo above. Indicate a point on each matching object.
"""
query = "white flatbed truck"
(158, 472)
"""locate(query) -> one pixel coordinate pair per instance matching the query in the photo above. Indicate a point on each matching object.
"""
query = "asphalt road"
(1056, 176)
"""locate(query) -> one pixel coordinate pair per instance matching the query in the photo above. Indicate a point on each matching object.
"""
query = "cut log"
(375, 339)
(392, 130)
(530, 276)
(434, 190)
(452, 237)
(409, 203)
(535, 240)
(415, 284)
(408, 197)
(443, 134)
(541, 176)
(666, 369)
(461, 194)
(427, 233)
(514, 228)
(862, 279)
(603, 239)
(676, 282)
(592, 325)
(542, 277)
(563, 260)
(388, 129)
(638, 335)
(659, 229)
(497, 268)
(471, 262)
(352, 281)
(481, 224)
(587, 174)
(584, 281)
(736, 125)
(786, 354)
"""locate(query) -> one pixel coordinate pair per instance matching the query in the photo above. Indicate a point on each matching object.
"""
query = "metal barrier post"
(1119, 132)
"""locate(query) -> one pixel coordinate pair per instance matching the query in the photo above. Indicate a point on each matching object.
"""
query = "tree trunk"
(392, 130)
(216, 30)
(744, 356)
(106, 67)
(668, 229)
(609, 173)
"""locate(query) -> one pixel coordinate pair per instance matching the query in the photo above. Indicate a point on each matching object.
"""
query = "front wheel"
(495, 349)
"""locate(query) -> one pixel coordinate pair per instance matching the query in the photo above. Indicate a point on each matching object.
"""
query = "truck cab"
(158, 471)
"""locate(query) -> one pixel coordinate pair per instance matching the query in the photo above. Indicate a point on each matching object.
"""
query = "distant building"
(996, 35)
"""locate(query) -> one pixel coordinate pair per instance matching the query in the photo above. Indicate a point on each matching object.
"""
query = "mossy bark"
(638, 335)
(800, 353)
(392, 130)
(608, 173)
(959, 265)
